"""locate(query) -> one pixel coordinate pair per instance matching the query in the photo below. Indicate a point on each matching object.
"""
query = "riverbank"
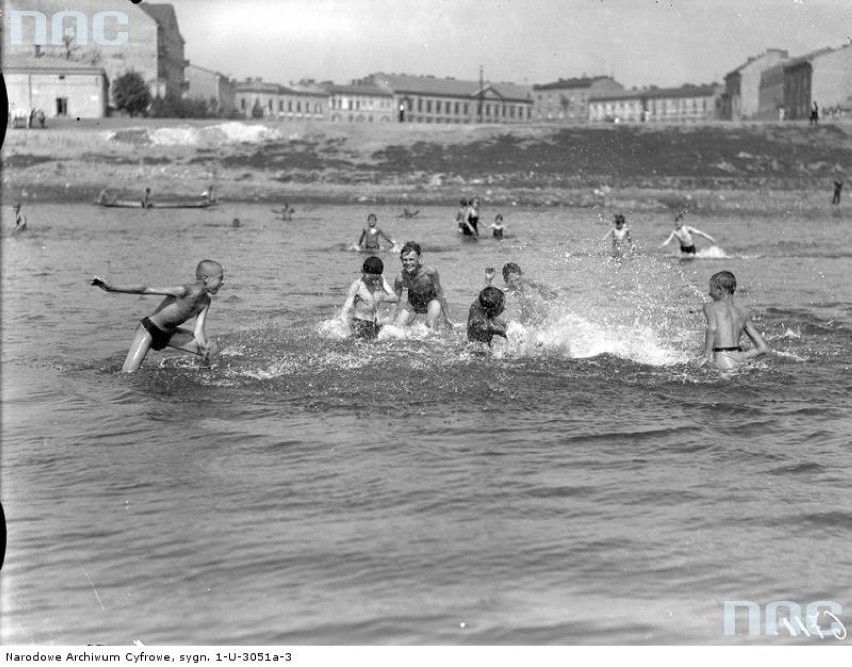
(766, 167)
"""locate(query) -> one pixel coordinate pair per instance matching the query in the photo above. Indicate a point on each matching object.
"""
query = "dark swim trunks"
(159, 338)
(498, 233)
(419, 297)
(688, 249)
(728, 349)
(365, 329)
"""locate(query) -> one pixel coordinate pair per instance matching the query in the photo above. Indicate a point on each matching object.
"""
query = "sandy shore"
(767, 168)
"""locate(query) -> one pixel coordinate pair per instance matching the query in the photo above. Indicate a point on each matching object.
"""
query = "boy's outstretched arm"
(668, 240)
(389, 295)
(706, 236)
(760, 347)
(179, 291)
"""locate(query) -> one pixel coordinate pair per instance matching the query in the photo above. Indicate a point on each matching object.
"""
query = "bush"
(174, 106)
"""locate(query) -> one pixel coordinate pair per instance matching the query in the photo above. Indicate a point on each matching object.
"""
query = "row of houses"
(50, 63)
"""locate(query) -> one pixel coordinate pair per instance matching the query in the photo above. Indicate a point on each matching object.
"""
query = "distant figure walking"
(814, 114)
(286, 212)
(838, 186)
(20, 219)
(146, 199)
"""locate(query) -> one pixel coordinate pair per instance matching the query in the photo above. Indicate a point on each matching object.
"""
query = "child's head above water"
(512, 274)
(619, 220)
(492, 300)
(722, 284)
(373, 266)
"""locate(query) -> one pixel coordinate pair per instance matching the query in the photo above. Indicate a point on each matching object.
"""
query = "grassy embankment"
(768, 167)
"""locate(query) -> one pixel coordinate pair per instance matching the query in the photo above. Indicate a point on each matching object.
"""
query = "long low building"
(687, 104)
(57, 86)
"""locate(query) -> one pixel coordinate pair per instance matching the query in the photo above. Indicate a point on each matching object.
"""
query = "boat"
(137, 203)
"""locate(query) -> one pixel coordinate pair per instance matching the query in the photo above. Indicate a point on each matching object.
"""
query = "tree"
(131, 94)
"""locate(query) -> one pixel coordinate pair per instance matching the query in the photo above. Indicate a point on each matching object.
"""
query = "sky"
(639, 42)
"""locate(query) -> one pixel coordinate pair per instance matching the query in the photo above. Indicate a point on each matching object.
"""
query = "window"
(61, 106)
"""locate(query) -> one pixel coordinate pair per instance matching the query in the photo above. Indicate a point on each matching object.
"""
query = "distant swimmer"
(425, 294)
(483, 322)
(620, 236)
(407, 214)
(370, 235)
(838, 186)
(461, 214)
(146, 199)
(286, 212)
(162, 327)
(20, 219)
(235, 222)
(209, 195)
(683, 233)
(726, 322)
(360, 310)
(470, 221)
(103, 197)
(497, 227)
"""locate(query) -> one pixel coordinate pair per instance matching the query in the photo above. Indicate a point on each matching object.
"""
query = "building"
(58, 86)
(687, 104)
(116, 37)
(256, 98)
(360, 103)
(214, 88)
(567, 100)
(741, 98)
(428, 99)
(824, 77)
(770, 100)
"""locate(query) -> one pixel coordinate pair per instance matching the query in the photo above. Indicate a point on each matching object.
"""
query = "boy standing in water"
(162, 327)
(683, 233)
(369, 240)
(620, 236)
(726, 322)
(362, 302)
(20, 219)
(496, 227)
(483, 321)
(425, 294)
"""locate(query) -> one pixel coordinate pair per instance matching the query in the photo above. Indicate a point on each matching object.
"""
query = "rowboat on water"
(137, 203)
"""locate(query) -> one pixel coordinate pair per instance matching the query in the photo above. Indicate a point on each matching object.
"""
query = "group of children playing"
(726, 320)
(622, 241)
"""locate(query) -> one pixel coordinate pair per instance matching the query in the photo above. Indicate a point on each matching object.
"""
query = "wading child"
(529, 297)
(726, 322)
(370, 235)
(360, 309)
(20, 219)
(683, 233)
(483, 321)
(425, 294)
(497, 227)
(162, 327)
(620, 236)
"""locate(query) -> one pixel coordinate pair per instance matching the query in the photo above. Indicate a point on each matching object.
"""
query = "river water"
(583, 484)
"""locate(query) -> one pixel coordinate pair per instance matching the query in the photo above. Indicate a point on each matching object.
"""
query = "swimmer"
(470, 221)
(360, 309)
(683, 233)
(370, 235)
(425, 294)
(162, 327)
(497, 227)
(460, 215)
(235, 222)
(146, 199)
(528, 298)
(620, 236)
(20, 219)
(726, 322)
(483, 321)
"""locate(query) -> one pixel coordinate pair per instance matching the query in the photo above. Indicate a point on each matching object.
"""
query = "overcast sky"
(639, 42)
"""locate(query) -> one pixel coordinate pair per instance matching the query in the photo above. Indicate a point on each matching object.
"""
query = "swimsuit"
(478, 326)
(159, 338)
(365, 328)
(688, 249)
(474, 222)
(498, 233)
(420, 293)
(728, 349)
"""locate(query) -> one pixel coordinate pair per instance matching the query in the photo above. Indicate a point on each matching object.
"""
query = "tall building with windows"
(567, 100)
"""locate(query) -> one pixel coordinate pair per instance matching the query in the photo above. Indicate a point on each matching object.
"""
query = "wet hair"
(619, 218)
(409, 247)
(373, 266)
(372, 216)
(511, 267)
(492, 299)
(207, 267)
(463, 202)
(498, 217)
(724, 281)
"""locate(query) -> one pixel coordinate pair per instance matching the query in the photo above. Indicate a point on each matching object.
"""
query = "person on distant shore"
(286, 212)
(425, 294)
(497, 227)
(726, 322)
(814, 114)
(209, 195)
(20, 219)
(370, 235)
(620, 236)
(683, 233)
(146, 198)
(470, 226)
(838, 186)
(483, 321)
(360, 309)
(162, 327)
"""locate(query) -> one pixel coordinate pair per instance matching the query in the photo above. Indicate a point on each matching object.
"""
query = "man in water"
(425, 294)
(683, 233)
